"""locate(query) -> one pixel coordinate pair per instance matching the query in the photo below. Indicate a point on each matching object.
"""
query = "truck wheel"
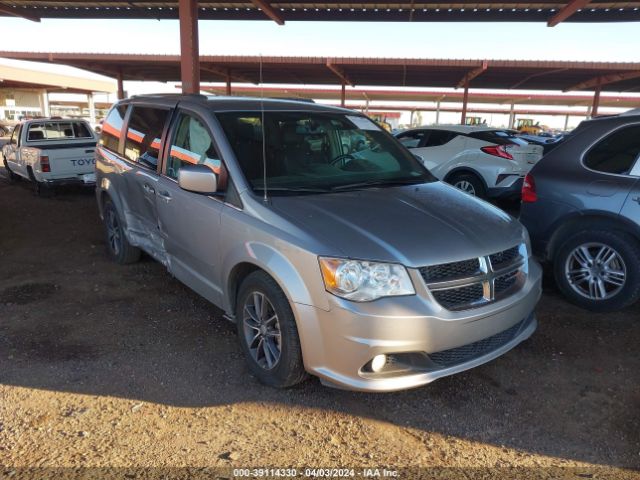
(468, 183)
(267, 332)
(41, 189)
(12, 177)
(599, 270)
(118, 247)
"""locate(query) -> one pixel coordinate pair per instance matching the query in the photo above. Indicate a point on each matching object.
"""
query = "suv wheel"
(468, 183)
(267, 332)
(119, 248)
(599, 270)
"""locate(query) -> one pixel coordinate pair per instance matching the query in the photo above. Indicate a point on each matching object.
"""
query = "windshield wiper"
(380, 183)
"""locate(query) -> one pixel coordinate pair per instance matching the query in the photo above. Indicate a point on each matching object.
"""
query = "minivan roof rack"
(168, 95)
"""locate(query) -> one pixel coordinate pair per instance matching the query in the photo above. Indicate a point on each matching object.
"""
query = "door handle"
(148, 188)
(165, 196)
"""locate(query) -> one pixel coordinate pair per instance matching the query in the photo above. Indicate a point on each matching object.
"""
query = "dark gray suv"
(581, 205)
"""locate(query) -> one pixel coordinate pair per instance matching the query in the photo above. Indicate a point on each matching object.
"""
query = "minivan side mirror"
(198, 179)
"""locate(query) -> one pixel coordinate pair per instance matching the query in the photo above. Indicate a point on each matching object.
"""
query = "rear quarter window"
(112, 128)
(616, 153)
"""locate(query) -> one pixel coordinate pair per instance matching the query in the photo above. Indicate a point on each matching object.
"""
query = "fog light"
(378, 363)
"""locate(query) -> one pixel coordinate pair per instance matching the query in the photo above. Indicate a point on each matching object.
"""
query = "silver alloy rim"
(595, 271)
(262, 330)
(465, 186)
(113, 232)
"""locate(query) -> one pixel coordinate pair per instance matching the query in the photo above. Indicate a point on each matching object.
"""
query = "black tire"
(39, 188)
(288, 369)
(473, 183)
(615, 296)
(12, 177)
(118, 247)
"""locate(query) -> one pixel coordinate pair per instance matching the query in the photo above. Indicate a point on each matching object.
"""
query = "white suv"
(483, 161)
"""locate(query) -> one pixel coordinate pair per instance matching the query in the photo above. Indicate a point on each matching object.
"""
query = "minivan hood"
(415, 225)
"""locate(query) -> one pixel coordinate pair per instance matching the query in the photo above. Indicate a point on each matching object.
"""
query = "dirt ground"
(110, 366)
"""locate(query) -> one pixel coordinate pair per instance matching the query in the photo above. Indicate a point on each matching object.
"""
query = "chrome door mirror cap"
(198, 179)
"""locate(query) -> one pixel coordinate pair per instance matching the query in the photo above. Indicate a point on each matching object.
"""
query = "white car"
(482, 161)
(51, 152)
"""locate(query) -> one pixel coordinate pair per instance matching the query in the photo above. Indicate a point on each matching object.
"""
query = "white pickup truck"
(51, 151)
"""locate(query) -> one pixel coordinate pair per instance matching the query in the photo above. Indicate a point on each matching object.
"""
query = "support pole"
(596, 100)
(343, 95)
(465, 101)
(512, 115)
(46, 111)
(189, 52)
(228, 90)
(120, 85)
(438, 112)
(411, 118)
(92, 108)
(566, 122)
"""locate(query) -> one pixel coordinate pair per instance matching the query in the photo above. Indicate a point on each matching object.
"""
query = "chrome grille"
(498, 260)
(505, 282)
(477, 281)
(465, 353)
(452, 298)
(449, 271)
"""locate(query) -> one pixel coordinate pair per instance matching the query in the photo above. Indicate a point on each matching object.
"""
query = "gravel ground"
(110, 366)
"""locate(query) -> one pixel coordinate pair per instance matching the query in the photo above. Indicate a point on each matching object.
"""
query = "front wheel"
(599, 270)
(267, 332)
(468, 183)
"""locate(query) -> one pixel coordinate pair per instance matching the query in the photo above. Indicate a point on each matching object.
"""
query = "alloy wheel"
(465, 186)
(262, 330)
(114, 235)
(595, 271)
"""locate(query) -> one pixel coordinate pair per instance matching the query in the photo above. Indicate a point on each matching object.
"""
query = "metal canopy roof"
(550, 11)
(395, 72)
(378, 95)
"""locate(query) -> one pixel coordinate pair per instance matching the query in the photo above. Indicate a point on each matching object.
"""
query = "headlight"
(362, 281)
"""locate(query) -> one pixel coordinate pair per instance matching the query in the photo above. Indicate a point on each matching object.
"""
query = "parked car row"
(332, 247)
(482, 161)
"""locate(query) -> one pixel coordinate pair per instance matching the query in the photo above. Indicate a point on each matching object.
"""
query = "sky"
(617, 42)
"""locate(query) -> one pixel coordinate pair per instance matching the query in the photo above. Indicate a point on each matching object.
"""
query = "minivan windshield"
(317, 152)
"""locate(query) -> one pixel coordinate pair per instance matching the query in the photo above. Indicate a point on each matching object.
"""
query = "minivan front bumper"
(421, 340)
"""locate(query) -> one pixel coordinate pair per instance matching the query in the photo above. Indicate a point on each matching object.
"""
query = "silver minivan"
(331, 247)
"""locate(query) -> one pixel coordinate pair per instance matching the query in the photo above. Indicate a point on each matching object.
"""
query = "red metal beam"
(565, 12)
(465, 101)
(120, 85)
(604, 80)
(189, 50)
(15, 12)
(473, 74)
(269, 11)
(596, 101)
(339, 73)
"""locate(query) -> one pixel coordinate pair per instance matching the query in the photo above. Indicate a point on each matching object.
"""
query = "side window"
(439, 137)
(617, 153)
(112, 128)
(191, 145)
(15, 135)
(411, 139)
(144, 135)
